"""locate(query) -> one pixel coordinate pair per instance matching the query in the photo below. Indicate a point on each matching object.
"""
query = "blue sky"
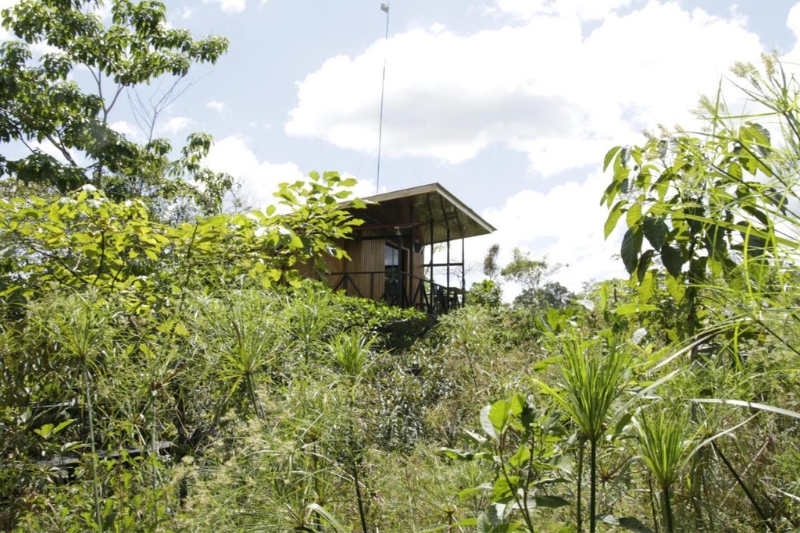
(510, 104)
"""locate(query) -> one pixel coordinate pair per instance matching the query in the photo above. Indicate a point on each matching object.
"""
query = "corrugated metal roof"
(418, 206)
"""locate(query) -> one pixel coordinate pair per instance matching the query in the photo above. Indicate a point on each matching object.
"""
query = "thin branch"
(60, 147)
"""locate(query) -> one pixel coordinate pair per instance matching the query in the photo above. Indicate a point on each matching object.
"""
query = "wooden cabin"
(403, 253)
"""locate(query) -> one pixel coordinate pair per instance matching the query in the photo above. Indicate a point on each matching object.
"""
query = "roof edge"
(432, 187)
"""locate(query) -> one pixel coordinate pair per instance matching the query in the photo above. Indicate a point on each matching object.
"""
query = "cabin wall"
(365, 269)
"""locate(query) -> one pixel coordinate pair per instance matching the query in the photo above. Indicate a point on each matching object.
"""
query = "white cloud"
(126, 129)
(583, 9)
(259, 179)
(540, 87)
(103, 11)
(566, 224)
(185, 13)
(228, 6)
(793, 23)
(214, 105)
(50, 149)
(175, 125)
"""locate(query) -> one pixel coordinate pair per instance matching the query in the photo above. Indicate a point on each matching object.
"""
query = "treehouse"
(403, 253)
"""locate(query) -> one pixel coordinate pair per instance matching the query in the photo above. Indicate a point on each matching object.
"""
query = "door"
(394, 264)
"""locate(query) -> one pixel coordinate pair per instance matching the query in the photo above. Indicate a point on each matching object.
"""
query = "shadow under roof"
(418, 207)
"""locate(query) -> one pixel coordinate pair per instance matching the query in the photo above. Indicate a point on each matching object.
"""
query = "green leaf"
(474, 436)
(63, 425)
(521, 456)
(613, 217)
(504, 488)
(486, 423)
(655, 230)
(644, 264)
(628, 522)
(752, 405)
(548, 502)
(518, 404)
(634, 215)
(45, 431)
(675, 287)
(459, 455)
(633, 308)
(498, 415)
(610, 157)
(326, 515)
(673, 259)
(631, 245)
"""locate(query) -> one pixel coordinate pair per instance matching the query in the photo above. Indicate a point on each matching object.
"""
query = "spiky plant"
(663, 449)
(594, 376)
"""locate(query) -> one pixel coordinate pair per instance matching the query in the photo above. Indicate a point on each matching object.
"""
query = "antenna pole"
(385, 9)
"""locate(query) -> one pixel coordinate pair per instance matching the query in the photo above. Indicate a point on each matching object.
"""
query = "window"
(391, 258)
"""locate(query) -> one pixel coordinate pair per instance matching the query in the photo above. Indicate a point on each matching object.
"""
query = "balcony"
(399, 289)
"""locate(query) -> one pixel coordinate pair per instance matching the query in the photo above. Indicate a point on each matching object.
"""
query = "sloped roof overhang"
(421, 206)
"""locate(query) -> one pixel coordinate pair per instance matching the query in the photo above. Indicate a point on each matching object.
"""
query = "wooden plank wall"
(367, 255)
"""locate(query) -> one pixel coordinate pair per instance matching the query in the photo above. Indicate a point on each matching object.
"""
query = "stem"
(154, 452)
(102, 258)
(90, 412)
(668, 511)
(361, 513)
(593, 486)
(529, 479)
(653, 502)
(520, 506)
(253, 398)
(580, 485)
(747, 492)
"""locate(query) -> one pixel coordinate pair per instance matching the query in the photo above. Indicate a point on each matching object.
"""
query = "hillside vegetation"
(166, 368)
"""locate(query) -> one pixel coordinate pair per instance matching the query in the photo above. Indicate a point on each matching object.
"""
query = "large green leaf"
(633, 215)
(610, 156)
(655, 231)
(644, 264)
(631, 245)
(486, 423)
(672, 258)
(549, 502)
(498, 414)
(613, 217)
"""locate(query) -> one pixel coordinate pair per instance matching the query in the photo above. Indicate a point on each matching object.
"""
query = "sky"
(509, 104)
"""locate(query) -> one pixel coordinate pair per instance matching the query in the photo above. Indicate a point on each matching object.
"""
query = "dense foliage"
(177, 373)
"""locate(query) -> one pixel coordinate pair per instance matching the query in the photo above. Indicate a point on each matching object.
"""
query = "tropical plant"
(519, 443)
(594, 374)
(137, 48)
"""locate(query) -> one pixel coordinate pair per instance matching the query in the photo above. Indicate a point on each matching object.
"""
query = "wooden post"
(448, 258)
(463, 272)
(411, 259)
(430, 268)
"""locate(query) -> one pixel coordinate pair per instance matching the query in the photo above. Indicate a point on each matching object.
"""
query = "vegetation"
(165, 367)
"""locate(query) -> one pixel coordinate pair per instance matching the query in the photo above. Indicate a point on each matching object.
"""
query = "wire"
(385, 9)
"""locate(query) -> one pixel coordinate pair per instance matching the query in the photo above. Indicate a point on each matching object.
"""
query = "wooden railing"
(399, 289)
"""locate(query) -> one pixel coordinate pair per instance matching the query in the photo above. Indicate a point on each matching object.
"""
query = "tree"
(716, 207)
(713, 213)
(41, 102)
(551, 294)
(487, 293)
(533, 276)
(490, 267)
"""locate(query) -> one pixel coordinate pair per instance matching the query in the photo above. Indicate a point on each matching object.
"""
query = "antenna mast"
(385, 9)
